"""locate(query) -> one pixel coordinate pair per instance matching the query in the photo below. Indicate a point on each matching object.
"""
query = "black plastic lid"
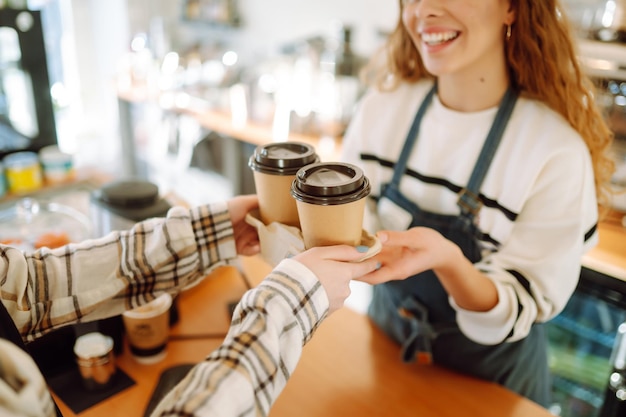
(330, 183)
(132, 199)
(129, 193)
(283, 158)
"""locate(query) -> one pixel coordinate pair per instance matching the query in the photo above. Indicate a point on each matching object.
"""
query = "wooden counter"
(349, 368)
(609, 256)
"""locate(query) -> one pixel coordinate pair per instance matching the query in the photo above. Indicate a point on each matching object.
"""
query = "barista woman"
(482, 141)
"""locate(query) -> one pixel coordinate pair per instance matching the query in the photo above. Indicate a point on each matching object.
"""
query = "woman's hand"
(410, 252)
(246, 236)
(419, 249)
(335, 267)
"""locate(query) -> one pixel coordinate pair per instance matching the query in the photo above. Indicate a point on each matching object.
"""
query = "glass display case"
(581, 341)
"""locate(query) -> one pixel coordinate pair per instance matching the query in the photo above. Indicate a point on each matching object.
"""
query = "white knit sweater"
(540, 208)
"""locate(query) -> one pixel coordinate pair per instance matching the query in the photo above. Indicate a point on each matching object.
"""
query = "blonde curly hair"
(542, 64)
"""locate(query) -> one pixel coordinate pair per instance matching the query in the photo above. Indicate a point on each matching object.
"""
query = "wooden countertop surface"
(609, 256)
(349, 368)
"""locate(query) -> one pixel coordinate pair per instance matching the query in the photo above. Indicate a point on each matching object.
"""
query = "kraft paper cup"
(330, 199)
(274, 167)
(147, 329)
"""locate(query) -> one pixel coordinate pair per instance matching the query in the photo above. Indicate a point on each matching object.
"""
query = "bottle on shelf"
(339, 84)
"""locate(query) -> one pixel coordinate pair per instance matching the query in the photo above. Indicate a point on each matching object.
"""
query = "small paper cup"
(147, 329)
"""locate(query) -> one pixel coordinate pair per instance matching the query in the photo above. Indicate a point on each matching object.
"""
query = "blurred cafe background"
(178, 93)
(126, 74)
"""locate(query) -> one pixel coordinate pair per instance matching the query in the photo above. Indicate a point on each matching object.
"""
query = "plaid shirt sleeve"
(99, 278)
(245, 375)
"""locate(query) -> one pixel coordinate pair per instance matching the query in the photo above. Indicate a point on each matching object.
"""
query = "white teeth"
(437, 38)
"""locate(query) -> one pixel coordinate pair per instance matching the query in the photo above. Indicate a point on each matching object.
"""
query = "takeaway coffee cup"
(330, 199)
(147, 329)
(274, 168)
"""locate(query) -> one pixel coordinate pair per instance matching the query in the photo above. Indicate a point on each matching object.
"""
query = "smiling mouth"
(438, 38)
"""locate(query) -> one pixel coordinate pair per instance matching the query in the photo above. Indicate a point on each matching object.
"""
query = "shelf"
(86, 179)
(583, 368)
(591, 397)
(574, 326)
(328, 147)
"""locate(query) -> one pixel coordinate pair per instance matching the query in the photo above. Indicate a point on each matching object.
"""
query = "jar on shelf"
(58, 167)
(23, 172)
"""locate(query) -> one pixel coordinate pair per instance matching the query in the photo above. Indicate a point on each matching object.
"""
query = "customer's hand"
(335, 266)
(246, 236)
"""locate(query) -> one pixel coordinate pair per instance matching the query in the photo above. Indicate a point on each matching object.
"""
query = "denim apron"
(416, 313)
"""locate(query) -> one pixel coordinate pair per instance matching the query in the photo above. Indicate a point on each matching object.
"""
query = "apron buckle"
(424, 358)
(417, 346)
(469, 201)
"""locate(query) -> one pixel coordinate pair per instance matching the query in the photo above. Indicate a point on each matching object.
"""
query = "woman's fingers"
(412, 238)
(378, 276)
(349, 256)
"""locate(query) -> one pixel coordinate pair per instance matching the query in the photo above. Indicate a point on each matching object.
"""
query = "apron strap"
(411, 138)
(469, 200)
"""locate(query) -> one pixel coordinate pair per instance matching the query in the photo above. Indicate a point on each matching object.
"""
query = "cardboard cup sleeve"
(279, 241)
